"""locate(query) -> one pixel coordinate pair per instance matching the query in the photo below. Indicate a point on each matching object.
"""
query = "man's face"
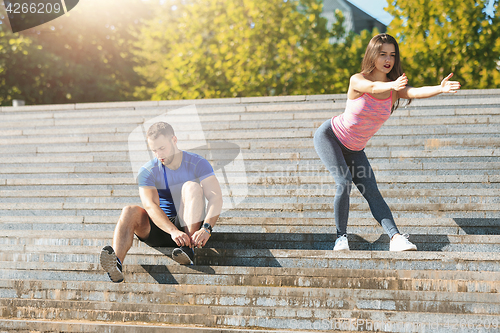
(164, 148)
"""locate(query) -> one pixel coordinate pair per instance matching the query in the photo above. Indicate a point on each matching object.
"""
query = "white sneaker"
(341, 244)
(401, 243)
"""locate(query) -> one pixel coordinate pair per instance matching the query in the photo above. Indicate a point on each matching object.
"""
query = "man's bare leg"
(133, 220)
(192, 207)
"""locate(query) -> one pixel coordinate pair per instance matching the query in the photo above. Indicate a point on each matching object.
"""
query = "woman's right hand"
(400, 83)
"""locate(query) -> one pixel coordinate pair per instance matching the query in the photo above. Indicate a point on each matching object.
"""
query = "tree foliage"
(228, 48)
(348, 56)
(12, 50)
(178, 49)
(438, 37)
(84, 56)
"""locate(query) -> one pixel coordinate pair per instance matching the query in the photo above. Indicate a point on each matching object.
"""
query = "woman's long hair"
(371, 54)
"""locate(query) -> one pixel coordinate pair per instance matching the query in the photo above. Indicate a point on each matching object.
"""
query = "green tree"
(12, 49)
(438, 37)
(228, 48)
(83, 56)
(348, 56)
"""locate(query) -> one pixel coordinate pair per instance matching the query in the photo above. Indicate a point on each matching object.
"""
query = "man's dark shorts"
(158, 237)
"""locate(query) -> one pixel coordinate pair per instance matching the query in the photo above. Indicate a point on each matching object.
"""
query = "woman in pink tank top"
(372, 96)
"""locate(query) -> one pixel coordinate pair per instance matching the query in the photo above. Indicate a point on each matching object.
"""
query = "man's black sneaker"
(183, 255)
(111, 264)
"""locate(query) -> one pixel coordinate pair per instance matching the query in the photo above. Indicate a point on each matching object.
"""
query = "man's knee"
(133, 214)
(131, 210)
(192, 190)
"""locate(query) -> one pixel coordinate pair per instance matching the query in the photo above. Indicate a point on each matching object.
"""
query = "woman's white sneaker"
(341, 244)
(401, 243)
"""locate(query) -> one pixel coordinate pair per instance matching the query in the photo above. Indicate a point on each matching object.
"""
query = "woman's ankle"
(397, 234)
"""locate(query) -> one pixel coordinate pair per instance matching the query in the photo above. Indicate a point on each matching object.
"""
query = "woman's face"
(386, 58)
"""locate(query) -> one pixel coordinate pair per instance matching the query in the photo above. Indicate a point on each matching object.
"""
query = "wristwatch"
(207, 226)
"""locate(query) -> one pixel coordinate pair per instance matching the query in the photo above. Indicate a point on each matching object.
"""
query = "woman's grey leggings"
(346, 167)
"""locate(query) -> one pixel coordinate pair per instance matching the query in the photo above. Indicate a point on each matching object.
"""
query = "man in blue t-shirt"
(173, 187)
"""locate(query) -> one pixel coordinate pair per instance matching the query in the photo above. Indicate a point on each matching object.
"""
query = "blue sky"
(376, 9)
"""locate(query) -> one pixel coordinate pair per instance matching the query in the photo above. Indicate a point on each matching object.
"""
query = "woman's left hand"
(449, 86)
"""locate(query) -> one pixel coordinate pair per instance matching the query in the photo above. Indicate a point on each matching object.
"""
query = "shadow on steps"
(259, 246)
(318, 241)
(162, 274)
(479, 226)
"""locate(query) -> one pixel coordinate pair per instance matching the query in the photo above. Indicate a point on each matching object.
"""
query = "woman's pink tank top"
(362, 118)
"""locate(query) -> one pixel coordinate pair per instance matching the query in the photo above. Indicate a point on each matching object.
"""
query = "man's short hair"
(158, 129)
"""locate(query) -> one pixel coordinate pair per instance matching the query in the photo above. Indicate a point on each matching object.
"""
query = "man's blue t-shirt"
(193, 168)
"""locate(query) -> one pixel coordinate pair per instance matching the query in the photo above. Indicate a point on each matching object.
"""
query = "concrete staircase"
(66, 173)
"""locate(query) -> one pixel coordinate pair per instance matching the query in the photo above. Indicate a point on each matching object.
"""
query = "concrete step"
(383, 138)
(214, 127)
(82, 326)
(260, 194)
(373, 229)
(467, 223)
(261, 197)
(473, 261)
(284, 145)
(168, 290)
(252, 169)
(248, 240)
(360, 226)
(254, 178)
(297, 205)
(285, 159)
(462, 97)
(105, 220)
(285, 110)
(167, 295)
(455, 135)
(456, 101)
(482, 193)
(281, 222)
(390, 313)
(294, 210)
(421, 162)
(451, 106)
(430, 216)
(145, 278)
(469, 133)
(389, 135)
(105, 179)
(364, 242)
(269, 264)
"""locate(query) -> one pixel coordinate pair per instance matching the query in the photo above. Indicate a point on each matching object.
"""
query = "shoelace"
(341, 238)
(406, 238)
(119, 264)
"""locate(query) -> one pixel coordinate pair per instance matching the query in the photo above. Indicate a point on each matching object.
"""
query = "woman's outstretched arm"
(446, 86)
(359, 83)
